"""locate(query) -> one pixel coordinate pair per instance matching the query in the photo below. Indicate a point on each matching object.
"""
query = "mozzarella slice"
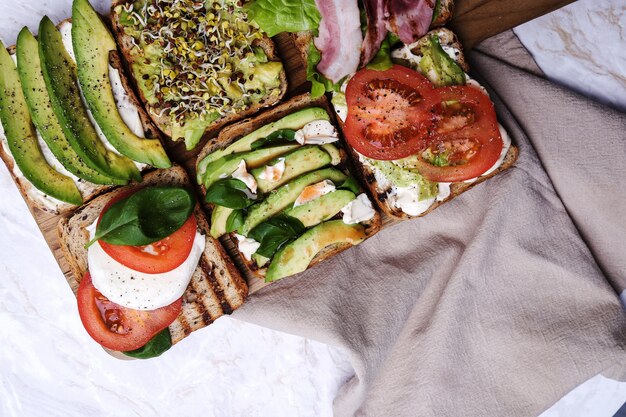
(138, 290)
(317, 132)
(243, 175)
(314, 191)
(358, 210)
(273, 172)
(247, 246)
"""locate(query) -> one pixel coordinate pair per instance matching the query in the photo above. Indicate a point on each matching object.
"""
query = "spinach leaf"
(278, 137)
(382, 59)
(276, 16)
(145, 217)
(319, 83)
(275, 233)
(350, 184)
(235, 220)
(229, 192)
(160, 343)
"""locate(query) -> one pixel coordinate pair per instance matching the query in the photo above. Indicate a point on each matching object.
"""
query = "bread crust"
(236, 131)
(216, 288)
(163, 122)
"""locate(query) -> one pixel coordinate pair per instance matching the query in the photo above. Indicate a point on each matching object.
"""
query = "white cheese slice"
(317, 132)
(273, 172)
(358, 210)
(247, 246)
(243, 175)
(138, 290)
(314, 191)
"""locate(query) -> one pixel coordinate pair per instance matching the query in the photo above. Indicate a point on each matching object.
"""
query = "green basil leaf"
(278, 137)
(235, 220)
(275, 233)
(145, 217)
(276, 16)
(229, 192)
(319, 83)
(350, 184)
(160, 343)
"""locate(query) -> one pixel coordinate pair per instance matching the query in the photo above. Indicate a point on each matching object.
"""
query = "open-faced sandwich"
(279, 185)
(420, 129)
(146, 271)
(71, 125)
(197, 64)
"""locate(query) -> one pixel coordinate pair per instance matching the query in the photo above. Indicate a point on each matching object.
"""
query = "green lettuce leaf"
(276, 16)
(382, 59)
(319, 83)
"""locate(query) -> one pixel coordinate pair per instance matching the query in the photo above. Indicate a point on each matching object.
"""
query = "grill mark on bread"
(217, 288)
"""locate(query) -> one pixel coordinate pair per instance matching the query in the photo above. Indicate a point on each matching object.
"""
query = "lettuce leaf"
(276, 16)
(382, 59)
(319, 83)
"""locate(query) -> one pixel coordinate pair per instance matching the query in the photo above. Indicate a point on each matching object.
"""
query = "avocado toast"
(67, 138)
(299, 204)
(197, 65)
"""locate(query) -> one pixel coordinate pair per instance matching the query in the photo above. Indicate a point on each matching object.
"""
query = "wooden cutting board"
(474, 20)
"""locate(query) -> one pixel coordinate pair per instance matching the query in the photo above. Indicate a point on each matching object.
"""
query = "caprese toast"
(197, 65)
(279, 187)
(71, 126)
(146, 270)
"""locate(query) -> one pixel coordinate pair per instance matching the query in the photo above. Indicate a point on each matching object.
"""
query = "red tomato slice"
(387, 112)
(466, 140)
(120, 328)
(156, 258)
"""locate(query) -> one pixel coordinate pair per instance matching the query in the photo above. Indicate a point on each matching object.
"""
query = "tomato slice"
(465, 141)
(156, 258)
(388, 114)
(120, 328)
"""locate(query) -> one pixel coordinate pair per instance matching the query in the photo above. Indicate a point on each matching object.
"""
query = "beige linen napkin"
(498, 303)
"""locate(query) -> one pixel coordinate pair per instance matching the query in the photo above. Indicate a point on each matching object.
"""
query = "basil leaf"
(350, 184)
(275, 233)
(276, 16)
(145, 217)
(278, 137)
(319, 83)
(235, 220)
(160, 343)
(229, 192)
(382, 59)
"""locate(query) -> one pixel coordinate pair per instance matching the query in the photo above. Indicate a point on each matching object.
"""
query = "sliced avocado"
(322, 208)
(437, 65)
(284, 197)
(38, 100)
(292, 121)
(22, 137)
(334, 153)
(296, 256)
(298, 162)
(226, 165)
(59, 72)
(219, 217)
(192, 130)
(92, 43)
(260, 260)
(402, 174)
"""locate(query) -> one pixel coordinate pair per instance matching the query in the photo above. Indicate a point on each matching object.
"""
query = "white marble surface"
(49, 365)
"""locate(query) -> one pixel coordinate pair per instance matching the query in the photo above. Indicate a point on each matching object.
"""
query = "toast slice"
(35, 198)
(158, 113)
(234, 132)
(216, 287)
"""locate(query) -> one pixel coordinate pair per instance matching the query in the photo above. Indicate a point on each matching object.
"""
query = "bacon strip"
(376, 29)
(409, 19)
(340, 39)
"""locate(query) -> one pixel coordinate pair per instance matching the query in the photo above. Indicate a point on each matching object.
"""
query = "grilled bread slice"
(237, 131)
(216, 287)
(36, 199)
(158, 114)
